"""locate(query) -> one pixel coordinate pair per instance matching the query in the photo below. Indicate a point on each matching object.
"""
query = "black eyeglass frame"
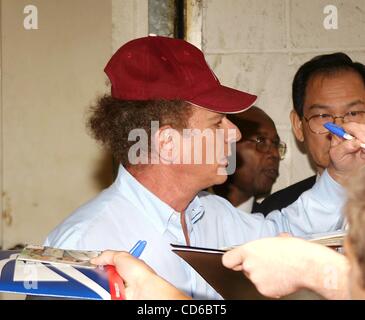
(261, 141)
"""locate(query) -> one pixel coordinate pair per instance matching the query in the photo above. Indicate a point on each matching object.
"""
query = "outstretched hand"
(283, 265)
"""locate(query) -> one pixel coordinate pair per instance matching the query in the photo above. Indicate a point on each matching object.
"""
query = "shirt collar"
(247, 205)
(157, 211)
(195, 210)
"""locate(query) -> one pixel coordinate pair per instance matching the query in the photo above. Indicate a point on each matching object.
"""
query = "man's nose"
(274, 152)
(233, 133)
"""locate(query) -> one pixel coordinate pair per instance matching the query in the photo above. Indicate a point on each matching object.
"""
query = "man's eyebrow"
(216, 117)
(264, 134)
(323, 106)
(318, 106)
(354, 103)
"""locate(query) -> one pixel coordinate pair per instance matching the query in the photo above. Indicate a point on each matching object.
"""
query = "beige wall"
(129, 21)
(257, 45)
(49, 77)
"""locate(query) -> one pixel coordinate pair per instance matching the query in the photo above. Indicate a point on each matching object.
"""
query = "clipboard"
(231, 285)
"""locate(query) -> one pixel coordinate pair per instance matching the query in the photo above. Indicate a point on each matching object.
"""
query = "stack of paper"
(55, 255)
(60, 274)
(330, 239)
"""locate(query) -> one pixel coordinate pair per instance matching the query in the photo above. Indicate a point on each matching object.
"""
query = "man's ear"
(297, 125)
(164, 141)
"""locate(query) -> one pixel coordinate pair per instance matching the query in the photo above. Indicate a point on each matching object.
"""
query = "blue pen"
(340, 132)
(138, 248)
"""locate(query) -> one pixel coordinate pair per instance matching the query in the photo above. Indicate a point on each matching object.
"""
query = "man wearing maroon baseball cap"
(161, 68)
(166, 113)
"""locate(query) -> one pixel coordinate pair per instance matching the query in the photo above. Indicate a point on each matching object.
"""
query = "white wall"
(257, 45)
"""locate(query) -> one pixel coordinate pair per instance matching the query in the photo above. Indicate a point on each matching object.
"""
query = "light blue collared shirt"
(127, 212)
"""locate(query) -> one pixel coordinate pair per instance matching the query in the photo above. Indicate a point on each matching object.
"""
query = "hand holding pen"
(123, 269)
(346, 157)
(140, 281)
(340, 132)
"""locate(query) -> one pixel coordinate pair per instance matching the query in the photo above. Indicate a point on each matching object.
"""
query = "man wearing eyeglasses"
(328, 88)
(258, 155)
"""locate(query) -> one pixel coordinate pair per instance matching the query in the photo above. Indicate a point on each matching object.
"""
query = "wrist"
(326, 273)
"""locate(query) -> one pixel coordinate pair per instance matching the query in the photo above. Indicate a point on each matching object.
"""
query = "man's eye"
(218, 124)
(260, 140)
(353, 113)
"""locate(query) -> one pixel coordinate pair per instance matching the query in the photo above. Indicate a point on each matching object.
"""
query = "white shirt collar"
(158, 211)
(247, 205)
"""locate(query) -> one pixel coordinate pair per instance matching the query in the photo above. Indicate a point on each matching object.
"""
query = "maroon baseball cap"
(161, 68)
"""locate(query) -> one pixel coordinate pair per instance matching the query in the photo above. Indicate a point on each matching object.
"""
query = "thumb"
(106, 258)
(233, 259)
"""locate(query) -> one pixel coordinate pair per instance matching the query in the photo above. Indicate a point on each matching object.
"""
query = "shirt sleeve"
(317, 210)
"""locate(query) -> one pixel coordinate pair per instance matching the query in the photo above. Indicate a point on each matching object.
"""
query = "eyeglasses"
(317, 121)
(264, 145)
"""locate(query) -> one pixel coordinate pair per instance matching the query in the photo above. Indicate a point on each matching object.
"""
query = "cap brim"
(224, 100)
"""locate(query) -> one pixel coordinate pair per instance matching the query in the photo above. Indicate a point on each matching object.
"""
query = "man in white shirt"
(294, 263)
(156, 196)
